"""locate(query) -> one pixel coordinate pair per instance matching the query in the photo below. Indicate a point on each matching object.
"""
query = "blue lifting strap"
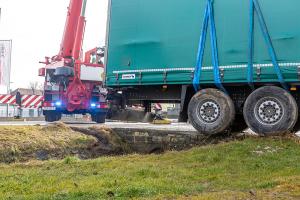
(200, 54)
(208, 17)
(255, 7)
(251, 46)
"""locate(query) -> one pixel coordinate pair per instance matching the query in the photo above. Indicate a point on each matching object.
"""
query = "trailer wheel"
(98, 118)
(271, 110)
(211, 111)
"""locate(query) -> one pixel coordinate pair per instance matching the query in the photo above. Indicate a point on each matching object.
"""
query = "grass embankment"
(23, 143)
(256, 168)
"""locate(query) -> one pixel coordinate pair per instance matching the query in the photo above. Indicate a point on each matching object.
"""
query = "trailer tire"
(270, 110)
(211, 111)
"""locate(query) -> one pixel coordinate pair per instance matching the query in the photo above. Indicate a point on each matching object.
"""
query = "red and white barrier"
(28, 101)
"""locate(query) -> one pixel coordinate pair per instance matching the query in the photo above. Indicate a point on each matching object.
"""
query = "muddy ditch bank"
(57, 141)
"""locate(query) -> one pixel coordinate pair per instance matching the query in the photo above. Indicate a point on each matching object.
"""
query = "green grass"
(269, 167)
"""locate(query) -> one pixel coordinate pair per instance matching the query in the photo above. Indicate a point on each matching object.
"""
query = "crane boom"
(71, 28)
(79, 32)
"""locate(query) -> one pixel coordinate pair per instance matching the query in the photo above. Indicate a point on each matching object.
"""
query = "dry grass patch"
(20, 143)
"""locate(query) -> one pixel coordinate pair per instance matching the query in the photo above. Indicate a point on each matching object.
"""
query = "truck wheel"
(58, 116)
(270, 110)
(99, 118)
(51, 116)
(211, 111)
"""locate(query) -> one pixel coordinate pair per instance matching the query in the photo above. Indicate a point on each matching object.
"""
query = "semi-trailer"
(222, 60)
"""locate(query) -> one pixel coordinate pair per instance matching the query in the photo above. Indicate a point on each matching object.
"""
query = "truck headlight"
(93, 105)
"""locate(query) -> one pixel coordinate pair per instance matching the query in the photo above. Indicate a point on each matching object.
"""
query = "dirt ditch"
(57, 141)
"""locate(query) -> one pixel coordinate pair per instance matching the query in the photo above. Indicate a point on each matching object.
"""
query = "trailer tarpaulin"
(155, 42)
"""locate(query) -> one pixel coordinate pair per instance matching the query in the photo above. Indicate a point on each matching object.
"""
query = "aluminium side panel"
(154, 42)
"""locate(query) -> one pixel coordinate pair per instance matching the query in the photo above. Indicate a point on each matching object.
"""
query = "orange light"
(293, 88)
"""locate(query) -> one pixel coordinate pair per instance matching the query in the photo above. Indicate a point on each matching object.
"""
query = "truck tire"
(52, 116)
(211, 111)
(58, 116)
(98, 118)
(270, 110)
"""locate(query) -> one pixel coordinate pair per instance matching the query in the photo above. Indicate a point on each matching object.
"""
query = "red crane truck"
(73, 85)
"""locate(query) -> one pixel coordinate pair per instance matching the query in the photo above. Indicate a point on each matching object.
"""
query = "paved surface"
(22, 123)
(145, 126)
(182, 127)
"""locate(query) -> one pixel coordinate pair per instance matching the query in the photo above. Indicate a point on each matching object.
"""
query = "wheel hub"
(269, 111)
(209, 111)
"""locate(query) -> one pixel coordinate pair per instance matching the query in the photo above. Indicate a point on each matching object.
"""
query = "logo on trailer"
(128, 76)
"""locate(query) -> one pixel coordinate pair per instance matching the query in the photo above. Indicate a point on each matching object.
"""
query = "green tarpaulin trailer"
(162, 50)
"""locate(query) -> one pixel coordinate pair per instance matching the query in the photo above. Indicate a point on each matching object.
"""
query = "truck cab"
(62, 96)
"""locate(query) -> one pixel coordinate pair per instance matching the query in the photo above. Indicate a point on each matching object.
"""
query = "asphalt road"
(182, 127)
(171, 127)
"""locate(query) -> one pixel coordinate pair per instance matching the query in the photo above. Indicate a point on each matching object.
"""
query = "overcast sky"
(36, 28)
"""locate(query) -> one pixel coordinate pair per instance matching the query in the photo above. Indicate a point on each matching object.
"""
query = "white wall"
(12, 111)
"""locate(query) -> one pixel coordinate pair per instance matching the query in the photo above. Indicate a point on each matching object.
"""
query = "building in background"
(27, 91)
(31, 103)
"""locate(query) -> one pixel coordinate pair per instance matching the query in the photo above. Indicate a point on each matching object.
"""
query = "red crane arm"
(71, 28)
(79, 33)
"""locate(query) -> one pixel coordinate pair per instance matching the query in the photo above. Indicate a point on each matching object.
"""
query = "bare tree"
(34, 86)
